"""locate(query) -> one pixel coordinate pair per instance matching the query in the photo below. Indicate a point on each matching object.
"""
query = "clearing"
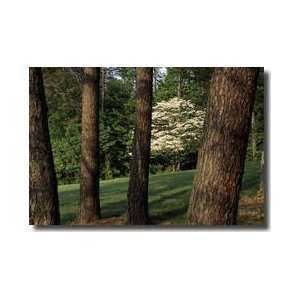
(168, 198)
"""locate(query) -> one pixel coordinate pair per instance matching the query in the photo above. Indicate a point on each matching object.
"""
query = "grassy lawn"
(168, 196)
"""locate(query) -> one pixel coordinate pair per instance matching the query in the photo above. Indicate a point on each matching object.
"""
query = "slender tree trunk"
(253, 135)
(179, 82)
(102, 87)
(139, 171)
(155, 71)
(43, 197)
(89, 164)
(174, 167)
(262, 166)
(215, 195)
(178, 165)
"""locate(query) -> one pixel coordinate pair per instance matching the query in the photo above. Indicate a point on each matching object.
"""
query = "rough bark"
(43, 197)
(89, 163)
(139, 171)
(253, 135)
(215, 195)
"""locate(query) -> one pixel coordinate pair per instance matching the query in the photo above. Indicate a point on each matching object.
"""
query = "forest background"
(63, 94)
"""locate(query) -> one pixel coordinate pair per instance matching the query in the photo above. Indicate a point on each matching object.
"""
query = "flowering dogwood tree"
(176, 127)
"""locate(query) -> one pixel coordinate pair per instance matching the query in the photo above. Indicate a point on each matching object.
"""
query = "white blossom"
(176, 123)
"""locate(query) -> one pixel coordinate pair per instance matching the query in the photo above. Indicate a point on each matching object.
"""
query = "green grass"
(168, 195)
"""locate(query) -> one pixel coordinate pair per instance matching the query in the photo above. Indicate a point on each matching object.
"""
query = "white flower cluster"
(176, 123)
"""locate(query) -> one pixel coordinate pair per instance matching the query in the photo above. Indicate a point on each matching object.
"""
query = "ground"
(168, 198)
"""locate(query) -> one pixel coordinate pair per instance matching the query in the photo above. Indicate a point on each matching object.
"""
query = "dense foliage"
(63, 92)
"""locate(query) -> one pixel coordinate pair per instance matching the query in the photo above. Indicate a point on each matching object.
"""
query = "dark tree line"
(221, 157)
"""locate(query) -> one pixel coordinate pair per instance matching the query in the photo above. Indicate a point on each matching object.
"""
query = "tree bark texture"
(215, 194)
(43, 196)
(139, 170)
(89, 163)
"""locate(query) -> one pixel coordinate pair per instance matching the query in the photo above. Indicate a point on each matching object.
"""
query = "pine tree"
(139, 171)
(43, 197)
(215, 195)
(89, 164)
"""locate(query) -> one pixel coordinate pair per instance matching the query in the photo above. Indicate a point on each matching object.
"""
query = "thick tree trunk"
(253, 135)
(139, 171)
(215, 195)
(43, 197)
(89, 164)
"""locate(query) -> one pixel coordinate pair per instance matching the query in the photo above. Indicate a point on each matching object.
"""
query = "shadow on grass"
(68, 217)
(170, 207)
(113, 209)
(250, 186)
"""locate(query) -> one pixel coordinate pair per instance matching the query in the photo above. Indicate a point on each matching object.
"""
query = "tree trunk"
(253, 135)
(178, 165)
(262, 166)
(155, 71)
(174, 167)
(102, 87)
(179, 82)
(89, 164)
(43, 197)
(215, 195)
(139, 171)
